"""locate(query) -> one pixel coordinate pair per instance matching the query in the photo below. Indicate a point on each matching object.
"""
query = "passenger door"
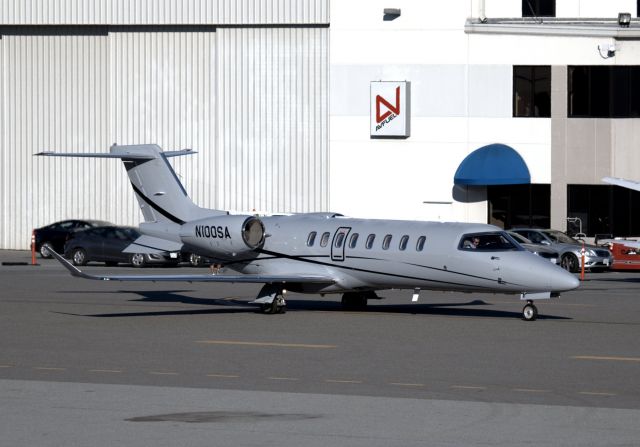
(339, 243)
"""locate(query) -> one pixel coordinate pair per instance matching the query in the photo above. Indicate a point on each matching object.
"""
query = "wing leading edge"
(249, 279)
(622, 182)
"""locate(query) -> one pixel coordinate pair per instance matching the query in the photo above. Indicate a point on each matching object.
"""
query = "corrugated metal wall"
(252, 101)
(163, 12)
(273, 109)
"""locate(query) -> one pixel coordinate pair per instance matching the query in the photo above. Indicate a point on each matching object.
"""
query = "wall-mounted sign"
(390, 109)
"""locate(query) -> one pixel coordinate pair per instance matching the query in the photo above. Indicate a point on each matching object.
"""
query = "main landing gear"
(271, 299)
(277, 306)
(529, 311)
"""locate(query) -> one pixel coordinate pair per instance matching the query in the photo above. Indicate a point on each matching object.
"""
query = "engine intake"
(224, 236)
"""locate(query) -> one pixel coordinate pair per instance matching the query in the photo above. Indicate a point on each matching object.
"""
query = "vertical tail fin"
(161, 196)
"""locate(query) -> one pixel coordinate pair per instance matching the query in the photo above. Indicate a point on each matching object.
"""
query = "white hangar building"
(473, 110)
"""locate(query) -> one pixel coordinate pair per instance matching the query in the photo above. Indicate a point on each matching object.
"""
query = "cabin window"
(353, 241)
(420, 243)
(498, 241)
(339, 240)
(403, 242)
(386, 242)
(311, 239)
(324, 240)
(370, 239)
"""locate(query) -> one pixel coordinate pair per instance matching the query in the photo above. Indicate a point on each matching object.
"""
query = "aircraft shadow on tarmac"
(227, 305)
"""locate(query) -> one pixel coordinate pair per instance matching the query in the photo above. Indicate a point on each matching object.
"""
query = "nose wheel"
(529, 311)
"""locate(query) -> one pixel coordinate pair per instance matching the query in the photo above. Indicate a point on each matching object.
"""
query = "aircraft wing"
(239, 278)
(622, 182)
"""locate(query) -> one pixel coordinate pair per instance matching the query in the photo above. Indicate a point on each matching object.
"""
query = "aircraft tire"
(529, 312)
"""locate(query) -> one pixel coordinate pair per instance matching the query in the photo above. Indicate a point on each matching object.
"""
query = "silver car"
(536, 249)
(569, 249)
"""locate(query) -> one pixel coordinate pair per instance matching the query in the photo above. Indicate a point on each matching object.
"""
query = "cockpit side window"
(498, 241)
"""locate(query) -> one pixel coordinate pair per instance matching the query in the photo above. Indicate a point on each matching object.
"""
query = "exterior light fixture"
(624, 19)
(391, 14)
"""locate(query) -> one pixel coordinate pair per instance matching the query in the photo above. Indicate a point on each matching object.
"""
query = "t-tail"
(162, 198)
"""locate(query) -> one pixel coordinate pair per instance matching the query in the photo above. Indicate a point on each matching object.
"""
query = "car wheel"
(79, 256)
(195, 260)
(45, 250)
(569, 262)
(138, 260)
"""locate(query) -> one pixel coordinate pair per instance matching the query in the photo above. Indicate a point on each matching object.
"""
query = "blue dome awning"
(495, 164)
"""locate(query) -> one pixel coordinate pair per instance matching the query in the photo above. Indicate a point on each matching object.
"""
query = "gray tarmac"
(98, 363)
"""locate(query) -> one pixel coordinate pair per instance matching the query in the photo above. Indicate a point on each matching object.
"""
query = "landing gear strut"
(529, 311)
(277, 306)
(271, 299)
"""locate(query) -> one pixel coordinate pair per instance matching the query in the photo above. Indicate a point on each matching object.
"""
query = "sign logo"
(390, 111)
(390, 108)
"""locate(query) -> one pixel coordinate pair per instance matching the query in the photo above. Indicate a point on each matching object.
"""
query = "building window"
(532, 91)
(519, 206)
(370, 239)
(603, 209)
(603, 91)
(420, 243)
(354, 240)
(386, 242)
(538, 8)
(311, 239)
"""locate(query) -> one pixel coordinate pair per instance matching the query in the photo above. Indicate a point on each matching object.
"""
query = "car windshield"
(498, 241)
(520, 238)
(559, 236)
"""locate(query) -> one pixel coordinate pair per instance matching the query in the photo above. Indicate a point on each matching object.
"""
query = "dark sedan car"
(105, 244)
(56, 234)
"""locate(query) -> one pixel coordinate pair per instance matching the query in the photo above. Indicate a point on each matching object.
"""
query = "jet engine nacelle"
(224, 236)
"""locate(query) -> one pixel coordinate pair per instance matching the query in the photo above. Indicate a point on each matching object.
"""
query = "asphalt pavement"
(94, 363)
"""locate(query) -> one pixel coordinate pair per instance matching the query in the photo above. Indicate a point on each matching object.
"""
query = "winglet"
(75, 271)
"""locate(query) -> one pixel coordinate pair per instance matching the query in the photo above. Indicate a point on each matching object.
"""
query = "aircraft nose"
(560, 280)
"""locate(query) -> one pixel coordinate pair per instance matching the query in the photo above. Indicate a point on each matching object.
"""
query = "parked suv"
(569, 249)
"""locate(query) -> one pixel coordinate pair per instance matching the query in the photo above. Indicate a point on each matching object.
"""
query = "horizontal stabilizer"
(239, 278)
(150, 244)
(124, 154)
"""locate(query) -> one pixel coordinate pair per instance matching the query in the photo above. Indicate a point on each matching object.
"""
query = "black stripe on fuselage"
(157, 207)
(276, 255)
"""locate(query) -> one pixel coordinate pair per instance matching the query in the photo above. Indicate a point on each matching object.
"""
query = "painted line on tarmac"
(609, 358)
(292, 379)
(223, 376)
(596, 393)
(530, 390)
(46, 368)
(342, 381)
(107, 371)
(265, 344)
(164, 373)
(6, 366)
(409, 385)
(468, 387)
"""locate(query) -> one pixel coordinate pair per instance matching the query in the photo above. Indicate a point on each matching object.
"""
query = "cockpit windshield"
(498, 241)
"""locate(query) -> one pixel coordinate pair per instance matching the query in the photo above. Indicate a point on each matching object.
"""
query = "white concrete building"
(462, 59)
(275, 95)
